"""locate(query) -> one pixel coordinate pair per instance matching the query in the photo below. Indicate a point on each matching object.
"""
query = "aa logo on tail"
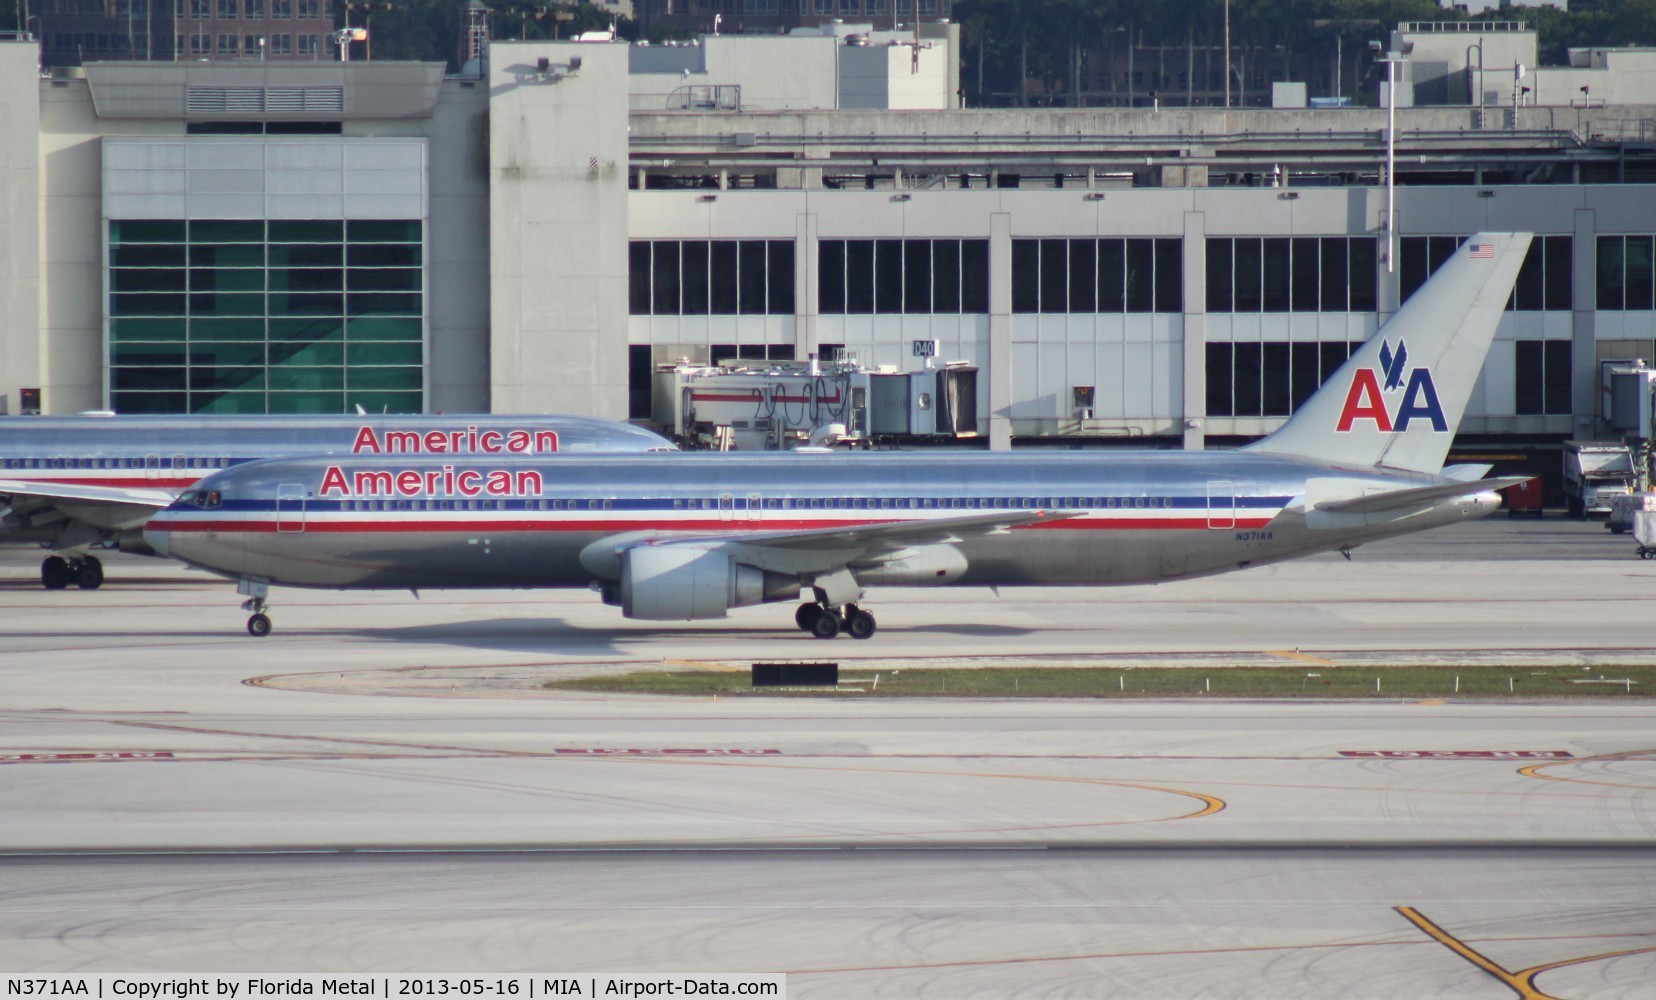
(1372, 394)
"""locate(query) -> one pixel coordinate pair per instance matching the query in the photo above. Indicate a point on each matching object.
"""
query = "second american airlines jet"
(677, 538)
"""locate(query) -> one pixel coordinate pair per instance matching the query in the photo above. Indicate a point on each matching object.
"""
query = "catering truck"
(1595, 471)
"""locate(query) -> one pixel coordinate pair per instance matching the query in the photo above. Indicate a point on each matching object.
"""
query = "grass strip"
(1297, 681)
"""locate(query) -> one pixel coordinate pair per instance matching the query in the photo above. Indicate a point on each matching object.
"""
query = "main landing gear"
(826, 623)
(57, 573)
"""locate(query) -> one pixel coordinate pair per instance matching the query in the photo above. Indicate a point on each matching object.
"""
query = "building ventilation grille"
(259, 100)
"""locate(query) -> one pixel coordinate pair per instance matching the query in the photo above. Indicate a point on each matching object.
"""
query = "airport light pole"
(1391, 58)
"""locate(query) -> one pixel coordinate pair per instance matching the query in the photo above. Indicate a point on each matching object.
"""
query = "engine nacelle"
(686, 583)
(926, 566)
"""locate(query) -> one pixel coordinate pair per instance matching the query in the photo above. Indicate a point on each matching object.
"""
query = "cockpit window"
(206, 499)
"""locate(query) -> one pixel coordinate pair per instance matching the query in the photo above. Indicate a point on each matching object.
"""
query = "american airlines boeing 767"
(686, 537)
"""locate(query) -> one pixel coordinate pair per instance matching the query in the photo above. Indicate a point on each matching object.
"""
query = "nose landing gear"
(258, 623)
(826, 623)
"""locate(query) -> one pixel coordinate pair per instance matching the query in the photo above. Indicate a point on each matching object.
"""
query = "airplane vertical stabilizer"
(1397, 401)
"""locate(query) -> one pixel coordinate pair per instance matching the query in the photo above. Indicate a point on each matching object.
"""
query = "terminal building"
(257, 236)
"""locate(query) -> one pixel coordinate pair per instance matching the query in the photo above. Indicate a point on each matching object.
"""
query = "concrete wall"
(557, 245)
(457, 278)
(21, 217)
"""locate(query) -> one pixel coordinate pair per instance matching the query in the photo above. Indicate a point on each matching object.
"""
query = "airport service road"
(1086, 848)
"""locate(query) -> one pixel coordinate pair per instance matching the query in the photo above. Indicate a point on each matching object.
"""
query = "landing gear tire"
(55, 573)
(89, 575)
(826, 626)
(859, 624)
(258, 625)
(807, 615)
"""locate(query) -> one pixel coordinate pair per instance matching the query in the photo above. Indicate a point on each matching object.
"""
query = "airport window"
(711, 277)
(1545, 279)
(281, 45)
(856, 277)
(248, 316)
(1543, 373)
(227, 45)
(1138, 275)
(1626, 273)
(227, 10)
(1270, 379)
(1291, 274)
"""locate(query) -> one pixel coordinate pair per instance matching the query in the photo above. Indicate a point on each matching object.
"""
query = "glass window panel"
(148, 280)
(1365, 280)
(693, 278)
(384, 378)
(377, 329)
(283, 377)
(1220, 270)
(1557, 377)
(307, 256)
(224, 354)
(1054, 276)
(1275, 375)
(917, 276)
(382, 255)
(307, 231)
(148, 353)
(382, 231)
(1560, 273)
(946, 276)
(1026, 276)
(1640, 258)
(1336, 269)
(227, 280)
(1611, 283)
(1527, 291)
(859, 276)
(146, 231)
(1304, 367)
(1247, 385)
(379, 401)
(664, 267)
(726, 265)
(1334, 354)
(378, 304)
(888, 276)
(146, 329)
(751, 272)
(974, 276)
(1305, 281)
(1169, 276)
(306, 304)
(156, 378)
(370, 352)
(780, 273)
(135, 304)
(149, 402)
(1112, 276)
(1528, 378)
(228, 402)
(312, 279)
(227, 255)
(141, 255)
(831, 277)
(1141, 275)
(1412, 263)
(227, 329)
(1276, 275)
(307, 353)
(227, 379)
(1220, 398)
(227, 304)
(306, 402)
(638, 277)
(227, 231)
(1248, 275)
(377, 279)
(1083, 276)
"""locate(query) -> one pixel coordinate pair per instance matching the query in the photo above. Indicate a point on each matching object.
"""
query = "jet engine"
(687, 582)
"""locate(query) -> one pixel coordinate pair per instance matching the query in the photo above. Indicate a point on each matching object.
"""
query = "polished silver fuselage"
(1132, 516)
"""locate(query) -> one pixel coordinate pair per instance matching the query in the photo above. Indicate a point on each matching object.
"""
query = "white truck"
(1595, 471)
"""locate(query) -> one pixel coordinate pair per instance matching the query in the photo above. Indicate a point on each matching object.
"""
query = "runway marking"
(1457, 754)
(1299, 657)
(1534, 770)
(1521, 981)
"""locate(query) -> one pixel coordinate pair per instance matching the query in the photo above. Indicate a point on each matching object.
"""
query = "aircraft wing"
(821, 550)
(28, 490)
(1419, 497)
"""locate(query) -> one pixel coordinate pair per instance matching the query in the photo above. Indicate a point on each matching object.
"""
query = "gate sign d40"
(925, 348)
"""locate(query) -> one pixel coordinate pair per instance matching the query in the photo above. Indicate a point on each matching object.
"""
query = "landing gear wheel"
(89, 575)
(826, 626)
(807, 615)
(54, 573)
(859, 624)
(258, 625)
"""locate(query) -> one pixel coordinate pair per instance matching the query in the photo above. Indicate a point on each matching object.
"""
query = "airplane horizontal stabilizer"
(1417, 498)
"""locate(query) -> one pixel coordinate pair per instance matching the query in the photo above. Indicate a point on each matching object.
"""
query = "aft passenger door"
(290, 507)
(1221, 504)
